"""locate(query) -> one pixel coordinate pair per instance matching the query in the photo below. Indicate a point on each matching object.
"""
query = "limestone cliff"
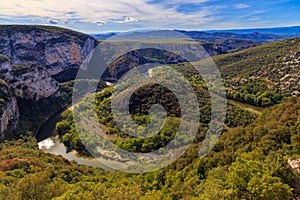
(30, 56)
(9, 113)
(31, 82)
(55, 48)
(9, 117)
(28, 82)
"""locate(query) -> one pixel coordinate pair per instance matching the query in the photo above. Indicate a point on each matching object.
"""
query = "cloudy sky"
(96, 16)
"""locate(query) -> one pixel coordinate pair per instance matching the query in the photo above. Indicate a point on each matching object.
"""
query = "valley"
(42, 151)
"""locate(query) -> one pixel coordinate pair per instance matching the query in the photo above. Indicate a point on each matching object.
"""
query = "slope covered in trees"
(247, 163)
(262, 75)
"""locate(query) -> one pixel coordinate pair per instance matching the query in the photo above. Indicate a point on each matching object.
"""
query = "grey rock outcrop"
(31, 82)
(55, 48)
(32, 54)
(9, 112)
(10, 116)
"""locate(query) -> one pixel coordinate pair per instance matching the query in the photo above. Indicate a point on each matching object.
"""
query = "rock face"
(9, 117)
(33, 83)
(30, 56)
(9, 112)
(177, 54)
(55, 48)
(295, 164)
(231, 45)
(30, 82)
(5, 66)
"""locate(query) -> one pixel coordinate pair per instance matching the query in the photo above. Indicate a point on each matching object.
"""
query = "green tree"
(268, 188)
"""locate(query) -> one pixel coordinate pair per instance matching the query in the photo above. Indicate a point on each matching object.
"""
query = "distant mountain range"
(288, 32)
(259, 35)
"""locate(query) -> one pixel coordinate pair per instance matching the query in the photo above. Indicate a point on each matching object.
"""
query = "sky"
(100, 16)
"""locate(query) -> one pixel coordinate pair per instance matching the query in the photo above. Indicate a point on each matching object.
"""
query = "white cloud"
(241, 6)
(127, 20)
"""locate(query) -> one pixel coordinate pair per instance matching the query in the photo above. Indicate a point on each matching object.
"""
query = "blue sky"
(96, 16)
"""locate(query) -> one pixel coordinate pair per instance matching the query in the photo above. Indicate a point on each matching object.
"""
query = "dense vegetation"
(250, 160)
(139, 106)
(247, 163)
(263, 75)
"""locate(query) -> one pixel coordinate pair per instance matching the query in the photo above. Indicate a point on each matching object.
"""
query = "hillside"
(261, 76)
(286, 32)
(257, 37)
(244, 161)
(272, 68)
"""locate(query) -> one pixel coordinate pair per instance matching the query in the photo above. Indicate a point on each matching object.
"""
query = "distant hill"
(196, 35)
(103, 36)
(287, 32)
(214, 36)
(260, 35)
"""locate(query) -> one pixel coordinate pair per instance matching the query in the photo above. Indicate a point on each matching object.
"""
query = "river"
(49, 143)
